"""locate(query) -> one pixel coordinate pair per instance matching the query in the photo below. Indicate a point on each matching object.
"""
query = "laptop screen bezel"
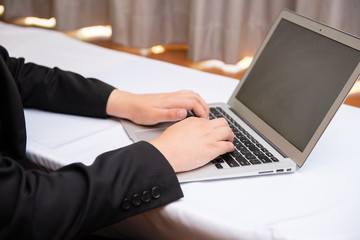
(267, 131)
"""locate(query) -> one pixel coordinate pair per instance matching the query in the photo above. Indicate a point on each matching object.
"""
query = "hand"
(193, 142)
(149, 109)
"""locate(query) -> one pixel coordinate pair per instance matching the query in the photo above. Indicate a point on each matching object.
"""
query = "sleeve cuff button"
(126, 204)
(136, 199)
(146, 196)
(155, 192)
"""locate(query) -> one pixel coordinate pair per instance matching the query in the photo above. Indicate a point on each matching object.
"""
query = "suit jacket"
(75, 199)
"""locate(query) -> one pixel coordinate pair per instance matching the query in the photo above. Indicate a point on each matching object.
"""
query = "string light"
(157, 49)
(228, 68)
(2, 9)
(94, 32)
(40, 22)
(245, 62)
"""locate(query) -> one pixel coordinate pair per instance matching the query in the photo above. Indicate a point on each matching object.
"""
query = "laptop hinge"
(261, 135)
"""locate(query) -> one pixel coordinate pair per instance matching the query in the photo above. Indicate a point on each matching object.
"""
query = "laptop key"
(269, 154)
(242, 160)
(217, 160)
(237, 143)
(245, 151)
(258, 153)
(252, 148)
(230, 161)
(264, 159)
(218, 166)
(250, 156)
(254, 161)
(234, 154)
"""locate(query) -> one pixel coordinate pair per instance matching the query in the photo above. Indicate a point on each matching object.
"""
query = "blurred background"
(218, 36)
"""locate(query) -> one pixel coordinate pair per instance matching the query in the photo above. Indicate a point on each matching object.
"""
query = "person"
(75, 200)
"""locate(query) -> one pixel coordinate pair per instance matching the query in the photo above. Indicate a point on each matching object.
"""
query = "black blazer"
(75, 199)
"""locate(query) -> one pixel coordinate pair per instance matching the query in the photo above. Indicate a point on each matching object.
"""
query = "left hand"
(150, 109)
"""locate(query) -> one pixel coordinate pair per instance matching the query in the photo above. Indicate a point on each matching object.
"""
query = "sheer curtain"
(145, 23)
(227, 30)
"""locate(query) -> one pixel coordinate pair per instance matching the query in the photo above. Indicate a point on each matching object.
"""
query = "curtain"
(227, 30)
(145, 23)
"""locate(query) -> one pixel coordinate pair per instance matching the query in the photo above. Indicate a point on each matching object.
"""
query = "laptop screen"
(296, 79)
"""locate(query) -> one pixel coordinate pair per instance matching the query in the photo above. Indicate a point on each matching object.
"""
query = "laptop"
(300, 76)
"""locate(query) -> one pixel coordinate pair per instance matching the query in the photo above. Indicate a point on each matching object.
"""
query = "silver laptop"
(298, 79)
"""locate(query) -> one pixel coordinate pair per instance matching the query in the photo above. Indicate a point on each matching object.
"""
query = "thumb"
(171, 115)
(181, 113)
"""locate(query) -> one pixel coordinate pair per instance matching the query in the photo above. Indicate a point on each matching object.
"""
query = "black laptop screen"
(296, 79)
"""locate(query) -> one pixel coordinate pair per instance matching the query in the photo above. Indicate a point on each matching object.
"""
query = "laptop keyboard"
(248, 151)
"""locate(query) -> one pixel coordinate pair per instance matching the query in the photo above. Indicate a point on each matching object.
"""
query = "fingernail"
(181, 114)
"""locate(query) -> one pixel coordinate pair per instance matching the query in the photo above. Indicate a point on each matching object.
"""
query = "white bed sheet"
(320, 201)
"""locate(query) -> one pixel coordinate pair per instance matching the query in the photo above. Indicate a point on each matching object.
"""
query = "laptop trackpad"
(148, 135)
(143, 133)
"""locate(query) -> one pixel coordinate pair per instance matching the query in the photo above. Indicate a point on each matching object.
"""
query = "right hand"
(193, 142)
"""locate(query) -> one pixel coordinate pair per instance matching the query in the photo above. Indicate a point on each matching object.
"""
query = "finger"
(219, 122)
(190, 101)
(202, 107)
(194, 104)
(225, 147)
(224, 134)
(199, 100)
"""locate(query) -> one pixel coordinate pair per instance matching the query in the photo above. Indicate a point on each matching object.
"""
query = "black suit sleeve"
(76, 199)
(53, 89)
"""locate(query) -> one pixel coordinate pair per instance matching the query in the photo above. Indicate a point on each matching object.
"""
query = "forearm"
(56, 90)
(67, 92)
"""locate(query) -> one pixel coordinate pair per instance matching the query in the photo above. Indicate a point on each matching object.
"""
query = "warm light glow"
(157, 49)
(228, 68)
(145, 51)
(94, 32)
(2, 10)
(40, 22)
(356, 88)
(245, 62)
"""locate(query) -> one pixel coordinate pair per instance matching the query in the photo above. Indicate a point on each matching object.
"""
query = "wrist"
(118, 104)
